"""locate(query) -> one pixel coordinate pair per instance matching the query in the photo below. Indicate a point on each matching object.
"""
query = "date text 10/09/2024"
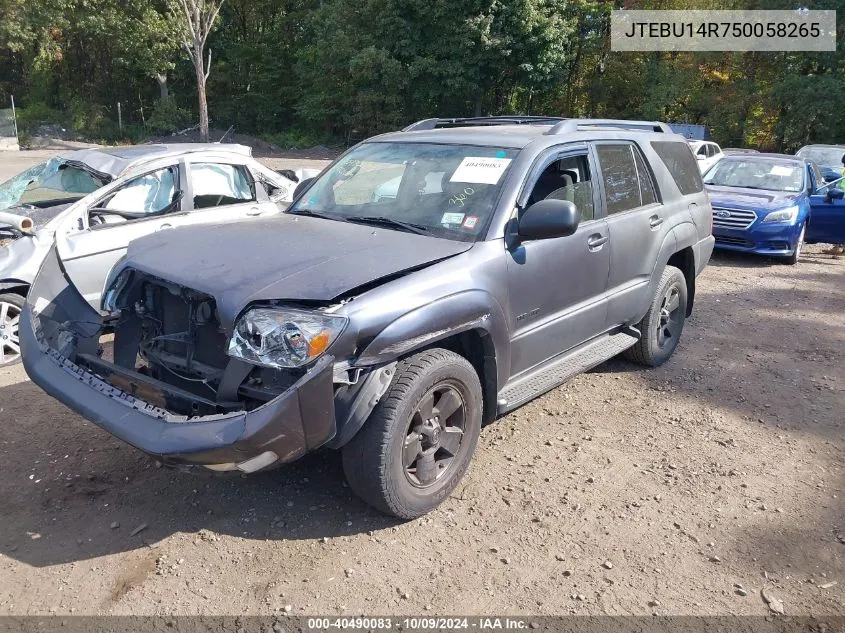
(722, 29)
(418, 624)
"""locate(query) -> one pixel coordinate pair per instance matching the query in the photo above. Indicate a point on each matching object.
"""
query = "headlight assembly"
(783, 215)
(113, 290)
(281, 337)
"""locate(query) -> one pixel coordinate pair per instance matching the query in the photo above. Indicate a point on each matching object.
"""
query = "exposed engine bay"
(172, 336)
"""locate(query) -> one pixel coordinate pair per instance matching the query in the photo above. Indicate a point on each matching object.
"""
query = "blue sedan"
(771, 204)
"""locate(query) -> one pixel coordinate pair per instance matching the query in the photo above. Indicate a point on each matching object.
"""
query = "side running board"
(560, 369)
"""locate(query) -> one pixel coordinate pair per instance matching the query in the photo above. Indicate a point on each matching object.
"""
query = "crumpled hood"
(753, 199)
(284, 257)
(39, 216)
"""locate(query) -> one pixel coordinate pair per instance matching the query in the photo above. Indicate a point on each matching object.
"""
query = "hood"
(284, 257)
(753, 199)
(39, 216)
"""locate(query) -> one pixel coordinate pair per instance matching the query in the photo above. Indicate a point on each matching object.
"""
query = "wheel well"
(477, 347)
(15, 290)
(685, 261)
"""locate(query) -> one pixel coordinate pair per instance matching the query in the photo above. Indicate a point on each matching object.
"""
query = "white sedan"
(93, 202)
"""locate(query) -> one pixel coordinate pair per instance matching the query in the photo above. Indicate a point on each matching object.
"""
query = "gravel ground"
(688, 489)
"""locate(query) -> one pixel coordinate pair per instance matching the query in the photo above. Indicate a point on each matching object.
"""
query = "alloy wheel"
(435, 435)
(670, 322)
(10, 350)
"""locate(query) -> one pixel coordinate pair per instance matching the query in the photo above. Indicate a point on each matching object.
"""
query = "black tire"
(799, 245)
(11, 307)
(375, 461)
(661, 327)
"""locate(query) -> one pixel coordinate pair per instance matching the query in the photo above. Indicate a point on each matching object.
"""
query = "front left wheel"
(799, 244)
(11, 306)
(419, 439)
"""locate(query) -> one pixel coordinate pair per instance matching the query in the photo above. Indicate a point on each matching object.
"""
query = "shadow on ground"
(81, 481)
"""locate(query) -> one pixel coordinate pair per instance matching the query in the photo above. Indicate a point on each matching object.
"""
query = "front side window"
(567, 179)
(750, 173)
(439, 189)
(217, 184)
(149, 194)
(625, 187)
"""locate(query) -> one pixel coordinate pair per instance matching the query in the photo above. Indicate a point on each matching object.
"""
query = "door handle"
(165, 226)
(596, 241)
(655, 221)
(254, 211)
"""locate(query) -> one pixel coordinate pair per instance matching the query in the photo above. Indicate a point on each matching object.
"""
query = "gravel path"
(681, 490)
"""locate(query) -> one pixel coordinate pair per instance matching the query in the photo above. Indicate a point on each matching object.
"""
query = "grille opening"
(169, 349)
(733, 218)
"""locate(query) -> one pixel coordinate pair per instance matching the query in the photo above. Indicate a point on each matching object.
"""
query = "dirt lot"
(681, 490)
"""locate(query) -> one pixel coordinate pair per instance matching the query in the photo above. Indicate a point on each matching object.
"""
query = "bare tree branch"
(196, 20)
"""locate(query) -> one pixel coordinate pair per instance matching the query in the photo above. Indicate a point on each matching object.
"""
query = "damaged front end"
(165, 383)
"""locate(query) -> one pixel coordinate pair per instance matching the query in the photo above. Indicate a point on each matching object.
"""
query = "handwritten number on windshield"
(458, 199)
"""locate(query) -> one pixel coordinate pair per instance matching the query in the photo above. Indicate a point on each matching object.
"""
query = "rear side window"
(627, 183)
(681, 165)
(217, 184)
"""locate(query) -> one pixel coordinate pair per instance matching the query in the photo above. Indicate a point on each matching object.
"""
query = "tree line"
(299, 72)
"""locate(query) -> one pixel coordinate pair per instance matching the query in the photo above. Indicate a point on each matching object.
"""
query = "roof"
(515, 136)
(823, 145)
(545, 131)
(767, 156)
(113, 161)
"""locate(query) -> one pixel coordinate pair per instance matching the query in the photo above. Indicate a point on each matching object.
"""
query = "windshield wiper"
(410, 227)
(317, 214)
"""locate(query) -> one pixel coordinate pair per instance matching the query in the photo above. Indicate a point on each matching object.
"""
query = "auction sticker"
(452, 218)
(781, 170)
(480, 170)
(470, 221)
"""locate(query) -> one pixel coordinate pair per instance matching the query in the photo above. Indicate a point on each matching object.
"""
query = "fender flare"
(681, 236)
(440, 319)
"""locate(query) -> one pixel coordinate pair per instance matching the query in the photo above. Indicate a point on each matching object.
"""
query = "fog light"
(258, 462)
(222, 468)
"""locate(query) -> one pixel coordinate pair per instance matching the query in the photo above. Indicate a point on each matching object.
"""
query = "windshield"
(51, 182)
(756, 174)
(443, 190)
(827, 156)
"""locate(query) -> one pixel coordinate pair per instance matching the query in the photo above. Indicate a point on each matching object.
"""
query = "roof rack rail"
(516, 119)
(573, 125)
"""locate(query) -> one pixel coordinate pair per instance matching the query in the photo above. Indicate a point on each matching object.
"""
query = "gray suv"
(425, 283)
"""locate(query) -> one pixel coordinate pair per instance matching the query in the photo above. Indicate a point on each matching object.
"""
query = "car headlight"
(281, 337)
(783, 215)
(113, 290)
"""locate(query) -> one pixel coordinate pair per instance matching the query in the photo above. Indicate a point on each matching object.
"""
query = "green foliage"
(167, 117)
(299, 72)
(35, 114)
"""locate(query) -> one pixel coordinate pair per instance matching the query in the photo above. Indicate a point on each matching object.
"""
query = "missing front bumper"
(299, 420)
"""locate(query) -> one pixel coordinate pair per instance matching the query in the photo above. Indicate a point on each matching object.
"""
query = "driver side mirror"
(549, 218)
(302, 186)
(834, 193)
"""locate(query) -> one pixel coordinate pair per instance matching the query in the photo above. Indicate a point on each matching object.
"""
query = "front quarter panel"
(461, 293)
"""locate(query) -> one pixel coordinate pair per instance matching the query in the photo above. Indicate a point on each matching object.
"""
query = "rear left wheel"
(661, 327)
(11, 306)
